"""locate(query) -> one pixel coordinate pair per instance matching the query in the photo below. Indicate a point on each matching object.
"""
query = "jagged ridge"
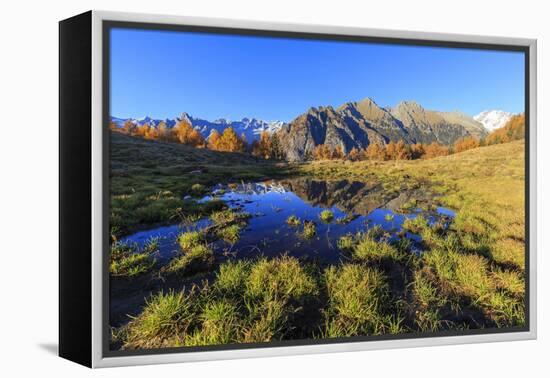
(357, 124)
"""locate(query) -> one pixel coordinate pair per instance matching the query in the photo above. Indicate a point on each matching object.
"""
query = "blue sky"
(162, 74)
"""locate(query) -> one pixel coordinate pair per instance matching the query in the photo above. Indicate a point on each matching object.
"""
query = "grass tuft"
(198, 189)
(189, 239)
(229, 234)
(220, 325)
(129, 261)
(368, 249)
(293, 220)
(309, 231)
(346, 243)
(326, 216)
(165, 320)
(196, 259)
(279, 278)
(356, 295)
(228, 216)
(231, 278)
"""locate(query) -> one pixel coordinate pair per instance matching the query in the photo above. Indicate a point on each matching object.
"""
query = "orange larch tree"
(465, 144)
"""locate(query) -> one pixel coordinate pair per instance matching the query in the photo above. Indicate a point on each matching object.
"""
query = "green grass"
(356, 297)
(293, 220)
(130, 211)
(368, 249)
(375, 232)
(364, 247)
(164, 321)
(252, 301)
(326, 216)
(470, 275)
(270, 321)
(198, 189)
(275, 292)
(409, 205)
(511, 281)
(279, 278)
(416, 225)
(230, 234)
(429, 302)
(346, 243)
(231, 278)
(220, 325)
(127, 260)
(189, 239)
(149, 180)
(229, 224)
(309, 230)
(228, 216)
(479, 262)
(198, 258)
(196, 255)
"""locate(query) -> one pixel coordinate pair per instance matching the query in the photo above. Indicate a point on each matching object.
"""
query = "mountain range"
(353, 124)
(250, 127)
(357, 124)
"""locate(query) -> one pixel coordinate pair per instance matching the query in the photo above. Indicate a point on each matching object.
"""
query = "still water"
(356, 206)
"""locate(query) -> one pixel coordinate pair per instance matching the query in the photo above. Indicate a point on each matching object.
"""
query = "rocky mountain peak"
(409, 106)
(360, 123)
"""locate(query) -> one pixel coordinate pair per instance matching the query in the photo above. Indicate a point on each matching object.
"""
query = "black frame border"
(108, 25)
(75, 189)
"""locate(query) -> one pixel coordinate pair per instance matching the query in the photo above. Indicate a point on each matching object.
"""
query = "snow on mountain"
(250, 127)
(143, 120)
(493, 119)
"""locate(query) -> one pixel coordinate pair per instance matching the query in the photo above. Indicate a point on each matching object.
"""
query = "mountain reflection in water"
(357, 206)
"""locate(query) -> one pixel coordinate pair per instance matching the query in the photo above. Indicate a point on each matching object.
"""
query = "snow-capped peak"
(493, 119)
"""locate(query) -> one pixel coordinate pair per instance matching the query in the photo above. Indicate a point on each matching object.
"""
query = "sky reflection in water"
(270, 204)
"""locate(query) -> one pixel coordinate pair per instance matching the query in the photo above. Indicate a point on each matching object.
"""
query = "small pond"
(356, 206)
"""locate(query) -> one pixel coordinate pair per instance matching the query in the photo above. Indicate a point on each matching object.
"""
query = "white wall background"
(28, 198)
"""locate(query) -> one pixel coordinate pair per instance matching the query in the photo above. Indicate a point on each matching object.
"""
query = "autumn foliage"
(262, 148)
(186, 134)
(513, 130)
(375, 151)
(398, 151)
(435, 149)
(465, 144)
(228, 141)
(324, 152)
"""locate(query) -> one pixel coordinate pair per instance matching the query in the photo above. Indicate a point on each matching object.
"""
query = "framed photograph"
(234, 189)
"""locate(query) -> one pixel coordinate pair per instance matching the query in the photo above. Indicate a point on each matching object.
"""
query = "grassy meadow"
(156, 183)
(470, 275)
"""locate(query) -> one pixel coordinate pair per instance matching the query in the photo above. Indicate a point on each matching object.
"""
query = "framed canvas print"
(235, 189)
